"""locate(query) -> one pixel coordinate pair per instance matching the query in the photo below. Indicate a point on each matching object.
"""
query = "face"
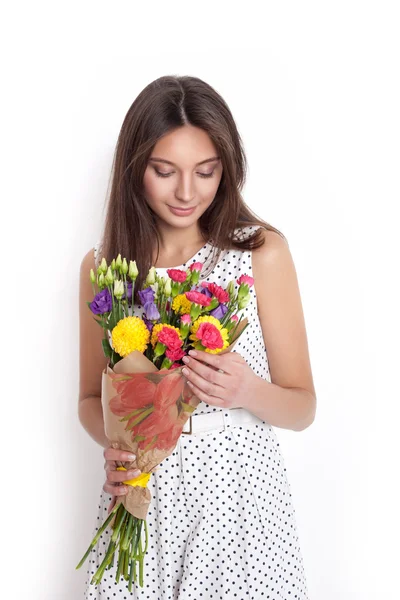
(182, 180)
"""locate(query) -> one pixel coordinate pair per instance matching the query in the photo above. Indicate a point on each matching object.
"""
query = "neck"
(175, 241)
(178, 245)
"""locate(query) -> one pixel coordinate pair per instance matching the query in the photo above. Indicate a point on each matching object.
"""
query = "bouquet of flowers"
(145, 397)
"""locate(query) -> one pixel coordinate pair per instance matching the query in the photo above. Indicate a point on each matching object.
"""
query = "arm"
(91, 417)
(290, 400)
(288, 408)
(91, 359)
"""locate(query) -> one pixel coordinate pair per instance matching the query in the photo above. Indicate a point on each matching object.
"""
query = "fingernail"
(131, 456)
(134, 473)
(192, 352)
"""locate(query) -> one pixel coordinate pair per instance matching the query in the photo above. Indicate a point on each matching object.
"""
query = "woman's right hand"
(113, 484)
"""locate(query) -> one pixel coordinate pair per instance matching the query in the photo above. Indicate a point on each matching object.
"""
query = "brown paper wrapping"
(137, 500)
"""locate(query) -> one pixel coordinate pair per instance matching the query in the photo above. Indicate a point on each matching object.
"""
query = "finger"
(111, 465)
(121, 455)
(119, 476)
(214, 401)
(115, 490)
(207, 373)
(218, 361)
(209, 388)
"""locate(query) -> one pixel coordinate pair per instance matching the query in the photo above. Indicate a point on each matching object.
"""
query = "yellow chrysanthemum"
(210, 319)
(130, 334)
(156, 330)
(181, 304)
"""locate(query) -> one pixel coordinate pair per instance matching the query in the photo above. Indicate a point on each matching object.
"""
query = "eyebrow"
(168, 162)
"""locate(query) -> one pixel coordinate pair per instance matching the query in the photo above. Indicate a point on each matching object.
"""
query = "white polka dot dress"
(221, 523)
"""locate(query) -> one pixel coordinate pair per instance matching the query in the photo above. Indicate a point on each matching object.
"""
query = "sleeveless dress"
(221, 523)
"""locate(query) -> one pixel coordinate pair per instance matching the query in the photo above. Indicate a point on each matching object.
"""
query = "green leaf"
(115, 357)
(106, 348)
(111, 322)
(99, 321)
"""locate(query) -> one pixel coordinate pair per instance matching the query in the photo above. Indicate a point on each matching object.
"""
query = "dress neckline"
(189, 261)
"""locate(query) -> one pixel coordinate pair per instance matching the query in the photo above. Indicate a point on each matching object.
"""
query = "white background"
(314, 89)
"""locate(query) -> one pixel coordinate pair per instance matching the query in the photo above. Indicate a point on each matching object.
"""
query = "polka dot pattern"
(221, 523)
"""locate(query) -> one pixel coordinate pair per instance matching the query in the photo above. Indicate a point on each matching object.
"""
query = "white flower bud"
(119, 289)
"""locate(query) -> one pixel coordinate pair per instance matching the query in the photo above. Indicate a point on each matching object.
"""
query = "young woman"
(222, 522)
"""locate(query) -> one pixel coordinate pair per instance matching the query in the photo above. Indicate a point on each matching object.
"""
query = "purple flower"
(146, 295)
(151, 311)
(201, 289)
(102, 302)
(219, 312)
(149, 324)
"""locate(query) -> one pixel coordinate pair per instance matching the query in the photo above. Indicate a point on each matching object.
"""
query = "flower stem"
(120, 519)
(96, 537)
(128, 533)
(106, 561)
(118, 575)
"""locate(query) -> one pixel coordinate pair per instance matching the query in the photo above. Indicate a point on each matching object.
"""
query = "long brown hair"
(163, 105)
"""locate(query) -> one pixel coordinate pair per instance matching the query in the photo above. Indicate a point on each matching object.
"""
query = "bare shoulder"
(281, 313)
(273, 263)
(275, 248)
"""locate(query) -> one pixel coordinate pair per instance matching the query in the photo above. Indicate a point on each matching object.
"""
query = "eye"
(162, 174)
(159, 174)
(206, 174)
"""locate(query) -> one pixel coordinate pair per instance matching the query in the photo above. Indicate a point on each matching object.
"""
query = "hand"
(113, 484)
(225, 380)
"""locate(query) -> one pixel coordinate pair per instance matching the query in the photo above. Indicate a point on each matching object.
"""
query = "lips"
(182, 209)
(181, 212)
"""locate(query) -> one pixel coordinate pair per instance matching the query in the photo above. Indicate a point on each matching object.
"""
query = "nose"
(185, 189)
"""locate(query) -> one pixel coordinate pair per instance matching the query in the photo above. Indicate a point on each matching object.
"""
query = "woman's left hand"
(231, 388)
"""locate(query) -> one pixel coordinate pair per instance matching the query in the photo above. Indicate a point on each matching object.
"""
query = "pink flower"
(210, 336)
(218, 292)
(196, 266)
(234, 318)
(198, 298)
(170, 338)
(177, 275)
(246, 279)
(174, 353)
(186, 319)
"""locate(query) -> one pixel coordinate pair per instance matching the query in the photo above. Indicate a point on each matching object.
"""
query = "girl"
(221, 522)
